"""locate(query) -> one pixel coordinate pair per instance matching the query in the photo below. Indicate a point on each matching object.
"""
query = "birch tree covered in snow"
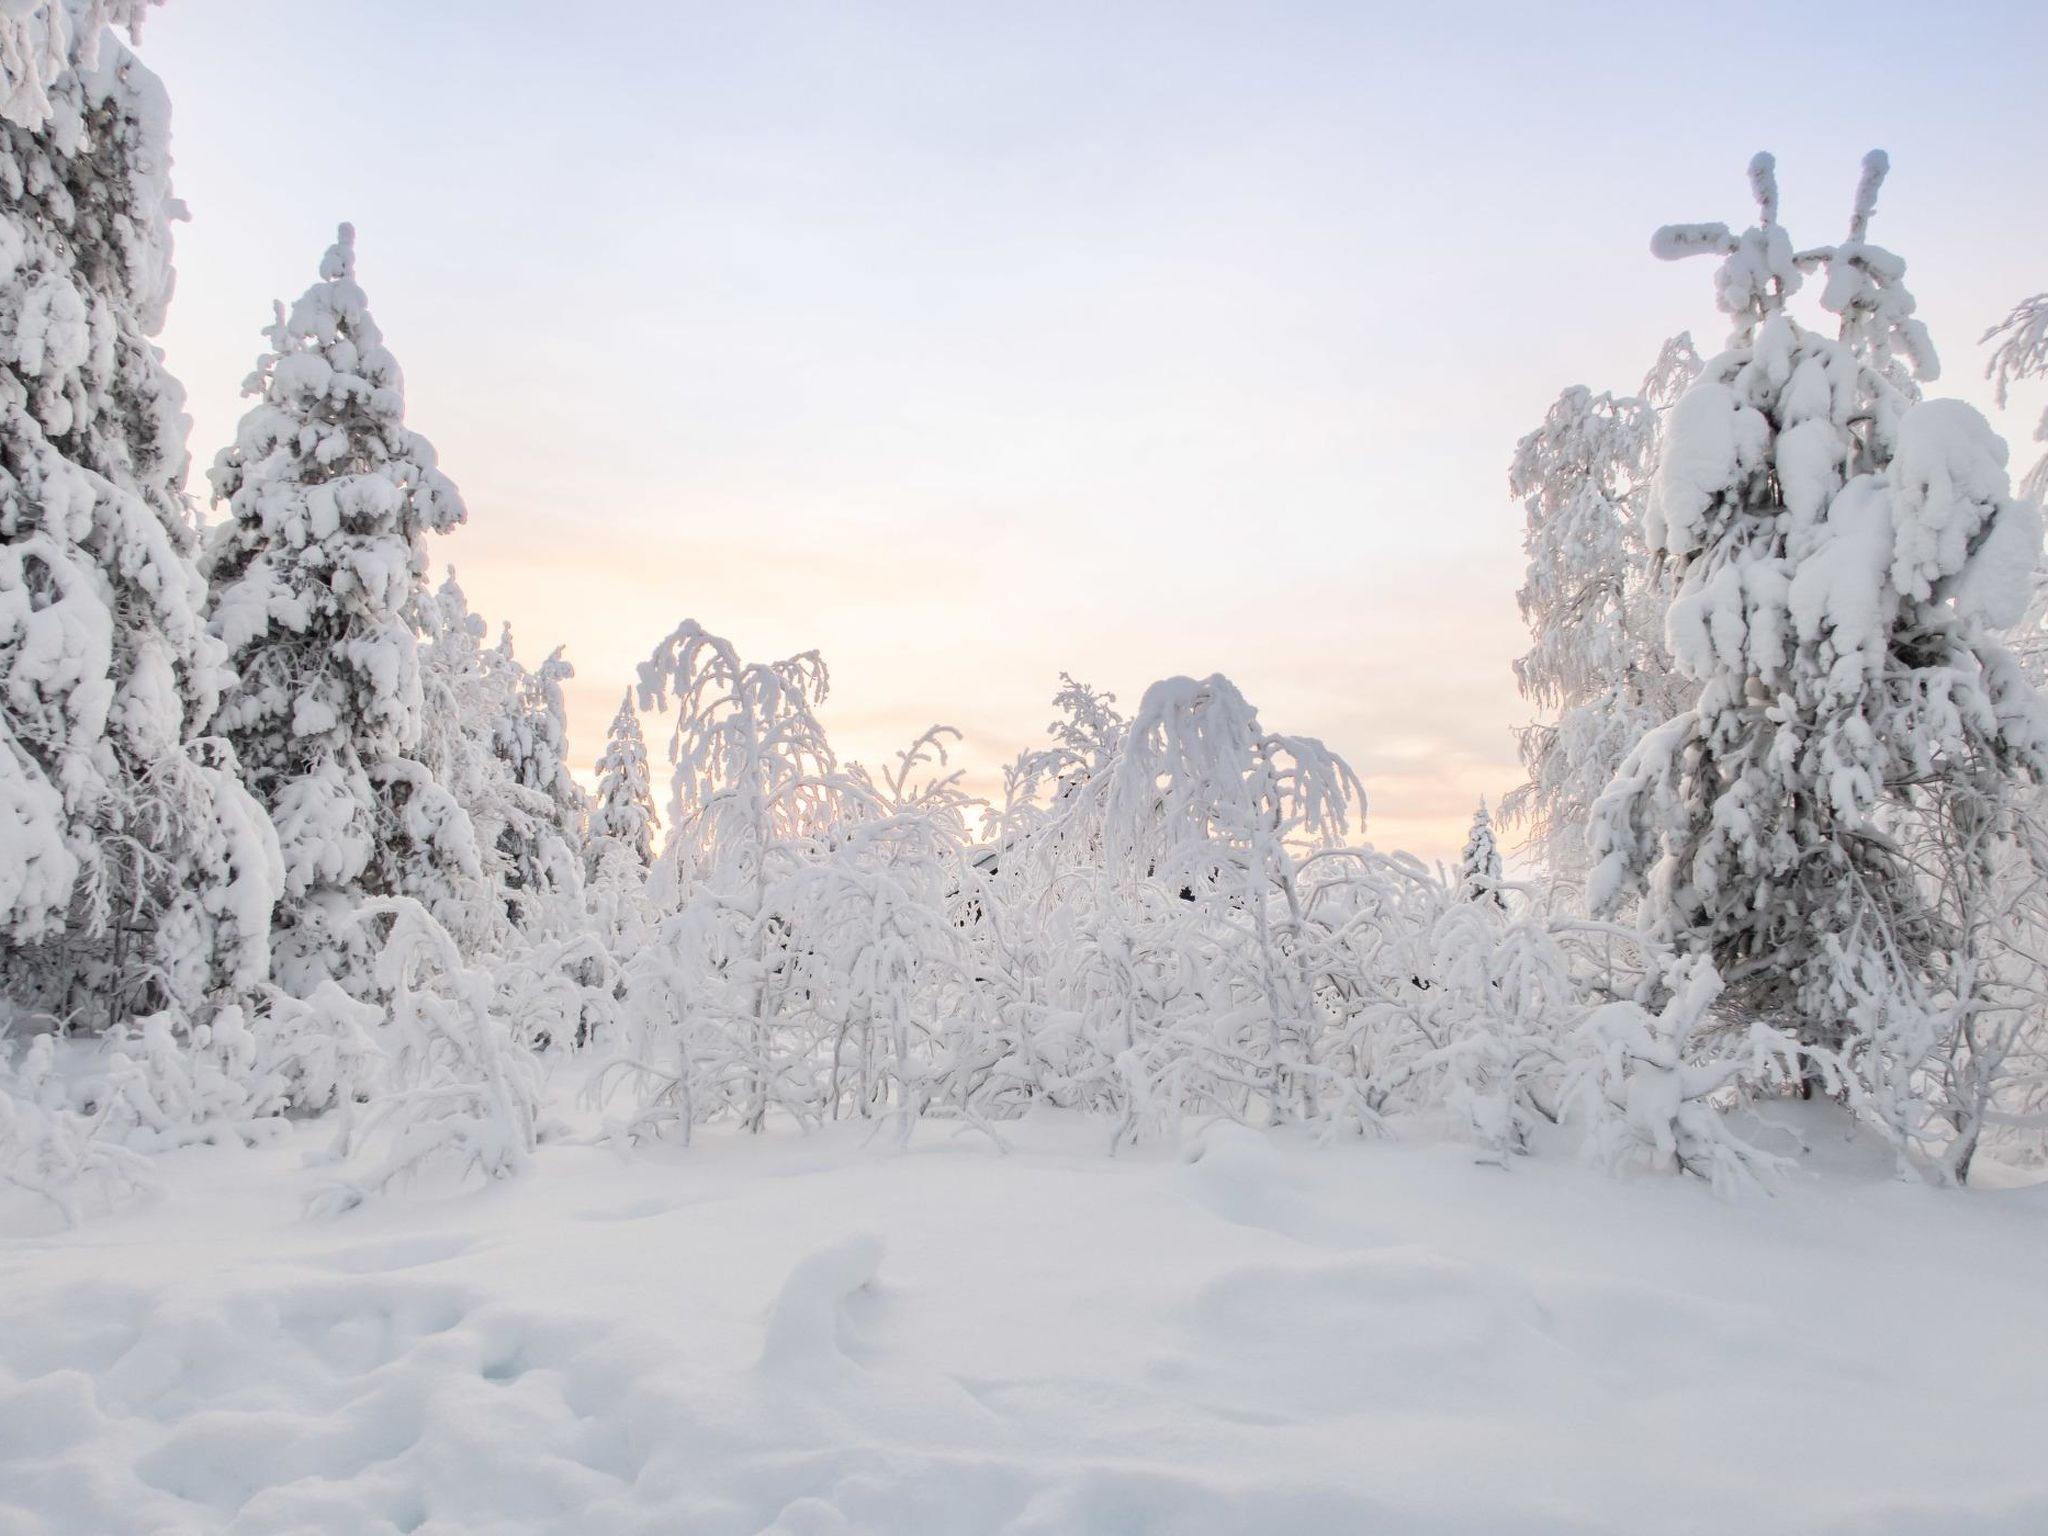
(1594, 604)
(2021, 356)
(1206, 804)
(1845, 553)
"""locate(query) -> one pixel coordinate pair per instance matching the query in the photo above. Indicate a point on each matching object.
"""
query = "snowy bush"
(450, 1084)
(57, 1151)
(1644, 1088)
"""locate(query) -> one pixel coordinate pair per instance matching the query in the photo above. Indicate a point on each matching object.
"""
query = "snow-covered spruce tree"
(135, 875)
(622, 810)
(317, 579)
(463, 690)
(1479, 867)
(549, 940)
(43, 41)
(1596, 662)
(530, 734)
(1843, 551)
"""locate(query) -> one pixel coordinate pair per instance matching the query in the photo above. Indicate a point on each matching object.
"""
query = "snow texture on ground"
(819, 1336)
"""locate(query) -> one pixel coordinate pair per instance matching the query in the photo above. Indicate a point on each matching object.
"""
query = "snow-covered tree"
(623, 807)
(2021, 356)
(756, 789)
(1479, 867)
(1596, 663)
(136, 877)
(1845, 552)
(1209, 808)
(530, 734)
(43, 41)
(464, 691)
(318, 584)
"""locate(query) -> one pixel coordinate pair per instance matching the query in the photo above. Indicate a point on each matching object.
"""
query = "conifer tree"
(1479, 867)
(529, 732)
(1845, 551)
(43, 43)
(135, 876)
(623, 808)
(317, 586)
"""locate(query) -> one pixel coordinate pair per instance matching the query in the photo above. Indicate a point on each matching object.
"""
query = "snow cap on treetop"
(340, 260)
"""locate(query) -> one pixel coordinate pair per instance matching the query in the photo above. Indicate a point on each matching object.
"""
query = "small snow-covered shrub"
(450, 1085)
(1645, 1085)
(57, 1151)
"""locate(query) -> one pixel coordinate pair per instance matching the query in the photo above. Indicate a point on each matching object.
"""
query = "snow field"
(810, 1336)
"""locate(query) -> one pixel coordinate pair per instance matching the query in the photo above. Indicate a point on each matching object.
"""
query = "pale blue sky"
(971, 343)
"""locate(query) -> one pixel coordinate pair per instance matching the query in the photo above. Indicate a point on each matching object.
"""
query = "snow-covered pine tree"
(623, 807)
(135, 876)
(1479, 868)
(1594, 606)
(530, 734)
(1844, 550)
(318, 583)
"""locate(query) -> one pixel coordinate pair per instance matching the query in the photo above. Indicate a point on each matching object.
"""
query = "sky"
(970, 344)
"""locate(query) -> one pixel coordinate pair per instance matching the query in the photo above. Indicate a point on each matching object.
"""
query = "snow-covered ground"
(825, 1335)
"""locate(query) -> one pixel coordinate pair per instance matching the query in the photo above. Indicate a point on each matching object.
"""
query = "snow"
(1951, 488)
(373, 888)
(814, 1334)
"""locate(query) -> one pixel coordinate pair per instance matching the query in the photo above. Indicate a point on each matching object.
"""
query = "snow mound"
(804, 1327)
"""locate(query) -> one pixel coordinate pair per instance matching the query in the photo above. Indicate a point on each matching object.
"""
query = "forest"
(288, 835)
(412, 1127)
